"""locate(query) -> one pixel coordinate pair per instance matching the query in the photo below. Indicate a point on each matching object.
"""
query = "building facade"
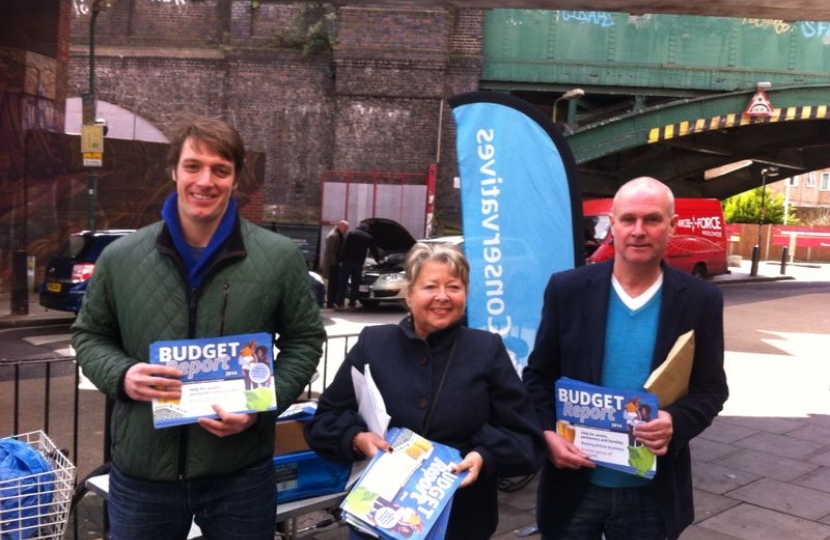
(323, 92)
(306, 84)
(806, 196)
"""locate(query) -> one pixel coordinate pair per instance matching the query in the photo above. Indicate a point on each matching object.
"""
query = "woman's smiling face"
(437, 298)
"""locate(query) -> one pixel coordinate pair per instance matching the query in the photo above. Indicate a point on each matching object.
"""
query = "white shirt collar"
(640, 301)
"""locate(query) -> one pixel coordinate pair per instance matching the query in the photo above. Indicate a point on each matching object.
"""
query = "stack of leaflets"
(234, 372)
(405, 494)
(600, 421)
(300, 411)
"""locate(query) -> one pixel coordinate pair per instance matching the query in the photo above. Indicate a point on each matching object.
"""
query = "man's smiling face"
(204, 183)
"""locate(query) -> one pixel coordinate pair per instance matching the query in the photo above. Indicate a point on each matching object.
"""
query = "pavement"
(760, 472)
(34, 315)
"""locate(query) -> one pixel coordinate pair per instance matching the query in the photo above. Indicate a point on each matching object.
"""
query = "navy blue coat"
(570, 343)
(483, 407)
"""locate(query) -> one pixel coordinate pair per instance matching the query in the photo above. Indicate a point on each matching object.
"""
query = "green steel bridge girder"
(677, 142)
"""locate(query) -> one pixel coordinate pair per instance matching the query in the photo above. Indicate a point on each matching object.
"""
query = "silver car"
(384, 281)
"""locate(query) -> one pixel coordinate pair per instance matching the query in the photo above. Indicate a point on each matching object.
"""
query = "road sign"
(92, 139)
(759, 105)
(92, 145)
(93, 159)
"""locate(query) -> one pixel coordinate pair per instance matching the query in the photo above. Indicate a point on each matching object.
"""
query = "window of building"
(825, 181)
(792, 181)
(811, 180)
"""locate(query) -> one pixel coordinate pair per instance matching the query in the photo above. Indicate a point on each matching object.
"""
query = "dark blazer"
(354, 247)
(482, 406)
(570, 343)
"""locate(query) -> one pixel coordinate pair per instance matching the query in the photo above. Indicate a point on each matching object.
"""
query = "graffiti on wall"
(808, 29)
(816, 29)
(776, 25)
(602, 19)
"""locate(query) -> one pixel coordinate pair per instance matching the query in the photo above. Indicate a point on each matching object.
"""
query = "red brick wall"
(252, 209)
(375, 103)
(34, 41)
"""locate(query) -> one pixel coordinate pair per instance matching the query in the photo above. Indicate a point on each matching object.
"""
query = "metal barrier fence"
(49, 393)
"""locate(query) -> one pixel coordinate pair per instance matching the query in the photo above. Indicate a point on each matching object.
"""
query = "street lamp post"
(567, 96)
(92, 177)
(770, 172)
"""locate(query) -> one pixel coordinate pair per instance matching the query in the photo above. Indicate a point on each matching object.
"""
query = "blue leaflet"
(235, 372)
(600, 420)
(405, 494)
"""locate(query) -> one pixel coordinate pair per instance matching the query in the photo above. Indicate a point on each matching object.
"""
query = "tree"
(746, 207)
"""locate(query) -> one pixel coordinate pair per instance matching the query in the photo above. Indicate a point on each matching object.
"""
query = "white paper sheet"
(372, 409)
(370, 403)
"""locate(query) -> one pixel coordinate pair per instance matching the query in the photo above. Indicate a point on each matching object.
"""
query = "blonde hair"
(422, 253)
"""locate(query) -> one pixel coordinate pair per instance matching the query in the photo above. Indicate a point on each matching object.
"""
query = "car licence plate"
(53, 287)
(364, 288)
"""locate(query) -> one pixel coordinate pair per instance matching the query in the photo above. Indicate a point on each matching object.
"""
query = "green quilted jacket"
(139, 294)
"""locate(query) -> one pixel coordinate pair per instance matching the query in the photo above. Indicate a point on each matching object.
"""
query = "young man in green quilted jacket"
(202, 271)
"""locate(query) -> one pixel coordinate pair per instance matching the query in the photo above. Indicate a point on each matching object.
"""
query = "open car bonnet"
(389, 236)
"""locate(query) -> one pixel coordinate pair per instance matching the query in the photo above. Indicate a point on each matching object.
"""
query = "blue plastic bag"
(304, 474)
(26, 489)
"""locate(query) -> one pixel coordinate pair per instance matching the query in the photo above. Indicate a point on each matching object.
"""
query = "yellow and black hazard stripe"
(680, 129)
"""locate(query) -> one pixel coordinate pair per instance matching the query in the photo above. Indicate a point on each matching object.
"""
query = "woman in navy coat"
(482, 408)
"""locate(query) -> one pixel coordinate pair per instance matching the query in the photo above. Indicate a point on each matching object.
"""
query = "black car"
(68, 273)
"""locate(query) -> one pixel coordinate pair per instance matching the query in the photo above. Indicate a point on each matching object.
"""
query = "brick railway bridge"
(340, 93)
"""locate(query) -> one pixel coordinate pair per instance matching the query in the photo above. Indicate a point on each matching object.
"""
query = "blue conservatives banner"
(521, 212)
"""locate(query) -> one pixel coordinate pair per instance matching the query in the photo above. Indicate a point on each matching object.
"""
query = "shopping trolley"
(43, 515)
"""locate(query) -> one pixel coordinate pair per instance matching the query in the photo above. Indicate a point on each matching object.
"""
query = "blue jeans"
(619, 514)
(242, 505)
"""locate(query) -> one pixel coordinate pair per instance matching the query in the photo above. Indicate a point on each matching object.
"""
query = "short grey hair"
(422, 253)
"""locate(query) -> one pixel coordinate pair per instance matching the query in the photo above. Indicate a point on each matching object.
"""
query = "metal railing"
(49, 393)
(41, 393)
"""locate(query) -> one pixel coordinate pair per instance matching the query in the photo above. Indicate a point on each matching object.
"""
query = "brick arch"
(122, 123)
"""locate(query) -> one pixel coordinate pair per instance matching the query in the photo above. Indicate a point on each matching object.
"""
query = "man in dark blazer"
(331, 260)
(352, 257)
(611, 324)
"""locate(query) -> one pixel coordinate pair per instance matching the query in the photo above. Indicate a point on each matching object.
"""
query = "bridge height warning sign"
(759, 105)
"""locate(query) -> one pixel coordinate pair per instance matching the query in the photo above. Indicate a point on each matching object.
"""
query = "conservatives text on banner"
(521, 212)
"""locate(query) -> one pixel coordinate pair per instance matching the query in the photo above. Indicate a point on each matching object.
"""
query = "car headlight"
(391, 278)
